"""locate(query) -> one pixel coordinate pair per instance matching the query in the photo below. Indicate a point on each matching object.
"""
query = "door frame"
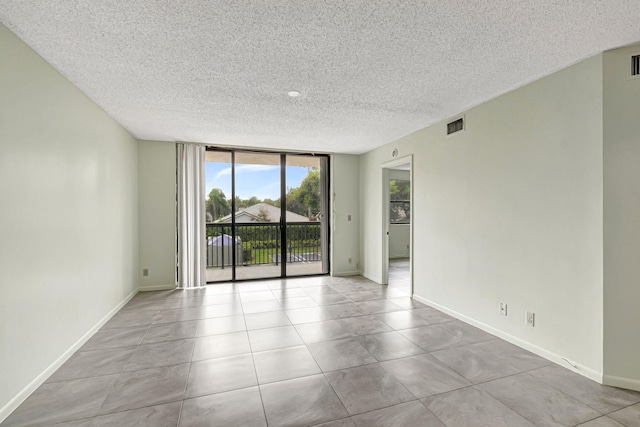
(385, 167)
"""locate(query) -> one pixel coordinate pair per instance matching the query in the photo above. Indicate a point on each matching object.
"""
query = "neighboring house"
(262, 212)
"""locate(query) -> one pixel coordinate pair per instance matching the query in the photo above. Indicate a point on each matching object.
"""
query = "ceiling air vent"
(635, 65)
(455, 126)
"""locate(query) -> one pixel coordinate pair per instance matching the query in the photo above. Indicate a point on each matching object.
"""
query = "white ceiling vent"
(455, 126)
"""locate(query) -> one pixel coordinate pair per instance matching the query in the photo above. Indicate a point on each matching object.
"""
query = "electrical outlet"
(530, 318)
(502, 308)
(145, 272)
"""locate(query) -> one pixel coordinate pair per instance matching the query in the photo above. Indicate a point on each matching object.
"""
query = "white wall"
(371, 214)
(621, 220)
(157, 214)
(509, 211)
(68, 221)
(345, 233)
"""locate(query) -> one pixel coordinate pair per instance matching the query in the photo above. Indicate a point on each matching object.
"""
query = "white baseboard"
(157, 288)
(345, 273)
(542, 352)
(11, 406)
(622, 382)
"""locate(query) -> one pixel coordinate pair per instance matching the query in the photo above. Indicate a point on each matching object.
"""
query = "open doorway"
(397, 246)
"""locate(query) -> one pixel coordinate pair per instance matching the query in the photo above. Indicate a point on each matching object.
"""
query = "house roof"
(253, 213)
(369, 72)
(223, 240)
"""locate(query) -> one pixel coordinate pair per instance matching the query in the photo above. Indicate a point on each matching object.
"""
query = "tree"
(399, 190)
(217, 205)
(272, 202)
(240, 203)
(305, 199)
(399, 201)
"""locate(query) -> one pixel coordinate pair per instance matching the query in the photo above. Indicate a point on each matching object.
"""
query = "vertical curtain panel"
(191, 216)
(324, 208)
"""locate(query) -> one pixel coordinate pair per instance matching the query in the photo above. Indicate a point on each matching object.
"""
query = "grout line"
(186, 383)
(376, 315)
(121, 372)
(180, 412)
(255, 373)
(135, 409)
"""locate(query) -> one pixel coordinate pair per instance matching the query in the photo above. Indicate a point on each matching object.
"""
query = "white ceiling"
(370, 71)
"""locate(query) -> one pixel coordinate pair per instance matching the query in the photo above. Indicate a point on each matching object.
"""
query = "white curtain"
(324, 208)
(191, 216)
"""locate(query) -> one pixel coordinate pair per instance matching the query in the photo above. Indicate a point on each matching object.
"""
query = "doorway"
(266, 215)
(398, 228)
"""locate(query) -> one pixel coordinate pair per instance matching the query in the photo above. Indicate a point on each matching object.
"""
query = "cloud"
(246, 168)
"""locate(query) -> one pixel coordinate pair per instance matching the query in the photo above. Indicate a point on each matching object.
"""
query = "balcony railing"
(260, 243)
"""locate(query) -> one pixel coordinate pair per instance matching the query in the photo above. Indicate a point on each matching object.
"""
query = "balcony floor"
(263, 271)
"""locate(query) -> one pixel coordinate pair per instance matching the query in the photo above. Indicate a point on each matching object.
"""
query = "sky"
(262, 181)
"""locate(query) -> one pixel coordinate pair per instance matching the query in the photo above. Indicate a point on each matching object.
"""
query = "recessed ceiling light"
(293, 93)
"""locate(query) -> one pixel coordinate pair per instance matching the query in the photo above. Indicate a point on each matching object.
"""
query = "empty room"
(336, 213)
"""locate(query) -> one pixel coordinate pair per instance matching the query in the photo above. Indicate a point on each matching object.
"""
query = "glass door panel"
(220, 246)
(257, 214)
(306, 215)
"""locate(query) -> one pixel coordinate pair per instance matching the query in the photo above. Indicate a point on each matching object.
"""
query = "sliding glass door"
(221, 248)
(266, 215)
(306, 215)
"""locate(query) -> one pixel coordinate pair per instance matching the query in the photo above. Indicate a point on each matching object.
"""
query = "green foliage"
(399, 197)
(399, 190)
(247, 252)
(245, 203)
(305, 199)
(259, 242)
(262, 256)
(217, 205)
(274, 244)
(271, 202)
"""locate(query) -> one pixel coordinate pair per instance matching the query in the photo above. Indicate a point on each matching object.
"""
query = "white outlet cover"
(502, 308)
(530, 318)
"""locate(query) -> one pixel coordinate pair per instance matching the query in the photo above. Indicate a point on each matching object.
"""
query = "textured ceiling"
(370, 71)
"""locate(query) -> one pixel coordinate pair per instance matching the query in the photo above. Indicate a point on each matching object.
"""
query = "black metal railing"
(260, 243)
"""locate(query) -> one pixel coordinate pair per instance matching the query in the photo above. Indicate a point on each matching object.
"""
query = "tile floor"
(313, 351)
(400, 274)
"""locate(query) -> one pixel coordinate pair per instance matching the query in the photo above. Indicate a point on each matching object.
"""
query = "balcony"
(257, 250)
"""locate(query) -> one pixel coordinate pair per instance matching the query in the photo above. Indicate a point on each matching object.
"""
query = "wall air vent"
(635, 65)
(455, 126)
